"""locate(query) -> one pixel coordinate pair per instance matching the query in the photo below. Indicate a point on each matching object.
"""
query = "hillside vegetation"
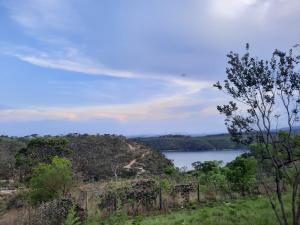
(189, 143)
(8, 148)
(99, 156)
(93, 157)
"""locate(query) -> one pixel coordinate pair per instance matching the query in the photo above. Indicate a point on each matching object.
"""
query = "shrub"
(50, 180)
(72, 219)
(241, 173)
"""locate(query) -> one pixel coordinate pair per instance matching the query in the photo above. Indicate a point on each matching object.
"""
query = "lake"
(185, 159)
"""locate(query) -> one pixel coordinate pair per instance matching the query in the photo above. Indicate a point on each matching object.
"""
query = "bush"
(50, 181)
(241, 173)
(72, 219)
(51, 213)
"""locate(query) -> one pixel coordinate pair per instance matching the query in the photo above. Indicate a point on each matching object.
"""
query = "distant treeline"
(189, 143)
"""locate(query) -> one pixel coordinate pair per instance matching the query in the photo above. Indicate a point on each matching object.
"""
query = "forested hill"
(189, 143)
(92, 156)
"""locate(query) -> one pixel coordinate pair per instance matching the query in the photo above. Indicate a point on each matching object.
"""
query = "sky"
(130, 67)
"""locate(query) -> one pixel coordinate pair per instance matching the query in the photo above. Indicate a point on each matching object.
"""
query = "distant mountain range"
(193, 143)
(189, 143)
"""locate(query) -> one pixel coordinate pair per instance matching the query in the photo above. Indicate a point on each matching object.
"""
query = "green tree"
(40, 150)
(265, 94)
(211, 176)
(207, 166)
(241, 173)
(170, 170)
(50, 181)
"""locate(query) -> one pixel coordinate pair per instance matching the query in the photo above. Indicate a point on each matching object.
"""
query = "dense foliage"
(237, 176)
(39, 150)
(8, 149)
(241, 173)
(50, 181)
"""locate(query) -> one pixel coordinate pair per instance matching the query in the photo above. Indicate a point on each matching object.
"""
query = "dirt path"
(129, 165)
(132, 162)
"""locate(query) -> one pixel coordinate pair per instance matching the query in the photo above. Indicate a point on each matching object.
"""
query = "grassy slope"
(255, 211)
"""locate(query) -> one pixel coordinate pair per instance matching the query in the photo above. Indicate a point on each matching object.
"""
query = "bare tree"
(266, 95)
(116, 167)
(117, 164)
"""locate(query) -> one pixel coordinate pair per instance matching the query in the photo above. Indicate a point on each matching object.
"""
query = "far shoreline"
(206, 150)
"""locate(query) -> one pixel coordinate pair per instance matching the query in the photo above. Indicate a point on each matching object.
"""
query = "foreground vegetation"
(53, 196)
(248, 211)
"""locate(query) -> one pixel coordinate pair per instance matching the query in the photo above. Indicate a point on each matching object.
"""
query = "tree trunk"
(279, 197)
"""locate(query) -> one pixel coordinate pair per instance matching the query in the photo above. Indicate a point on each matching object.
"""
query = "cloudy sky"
(128, 66)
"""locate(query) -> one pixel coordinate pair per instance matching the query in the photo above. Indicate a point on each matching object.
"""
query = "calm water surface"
(185, 159)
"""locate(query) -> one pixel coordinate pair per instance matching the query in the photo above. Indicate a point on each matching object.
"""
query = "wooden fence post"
(198, 192)
(160, 198)
(29, 215)
(115, 203)
(86, 201)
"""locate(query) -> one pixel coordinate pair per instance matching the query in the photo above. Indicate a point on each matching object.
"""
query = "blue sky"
(115, 66)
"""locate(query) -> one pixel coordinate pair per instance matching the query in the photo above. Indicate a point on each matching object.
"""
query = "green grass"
(243, 211)
(255, 211)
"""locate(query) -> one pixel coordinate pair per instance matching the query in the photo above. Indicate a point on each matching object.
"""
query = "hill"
(98, 156)
(93, 157)
(189, 143)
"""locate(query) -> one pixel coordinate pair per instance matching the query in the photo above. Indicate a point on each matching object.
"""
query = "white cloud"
(70, 59)
(156, 109)
(81, 65)
(252, 10)
(230, 8)
(43, 14)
